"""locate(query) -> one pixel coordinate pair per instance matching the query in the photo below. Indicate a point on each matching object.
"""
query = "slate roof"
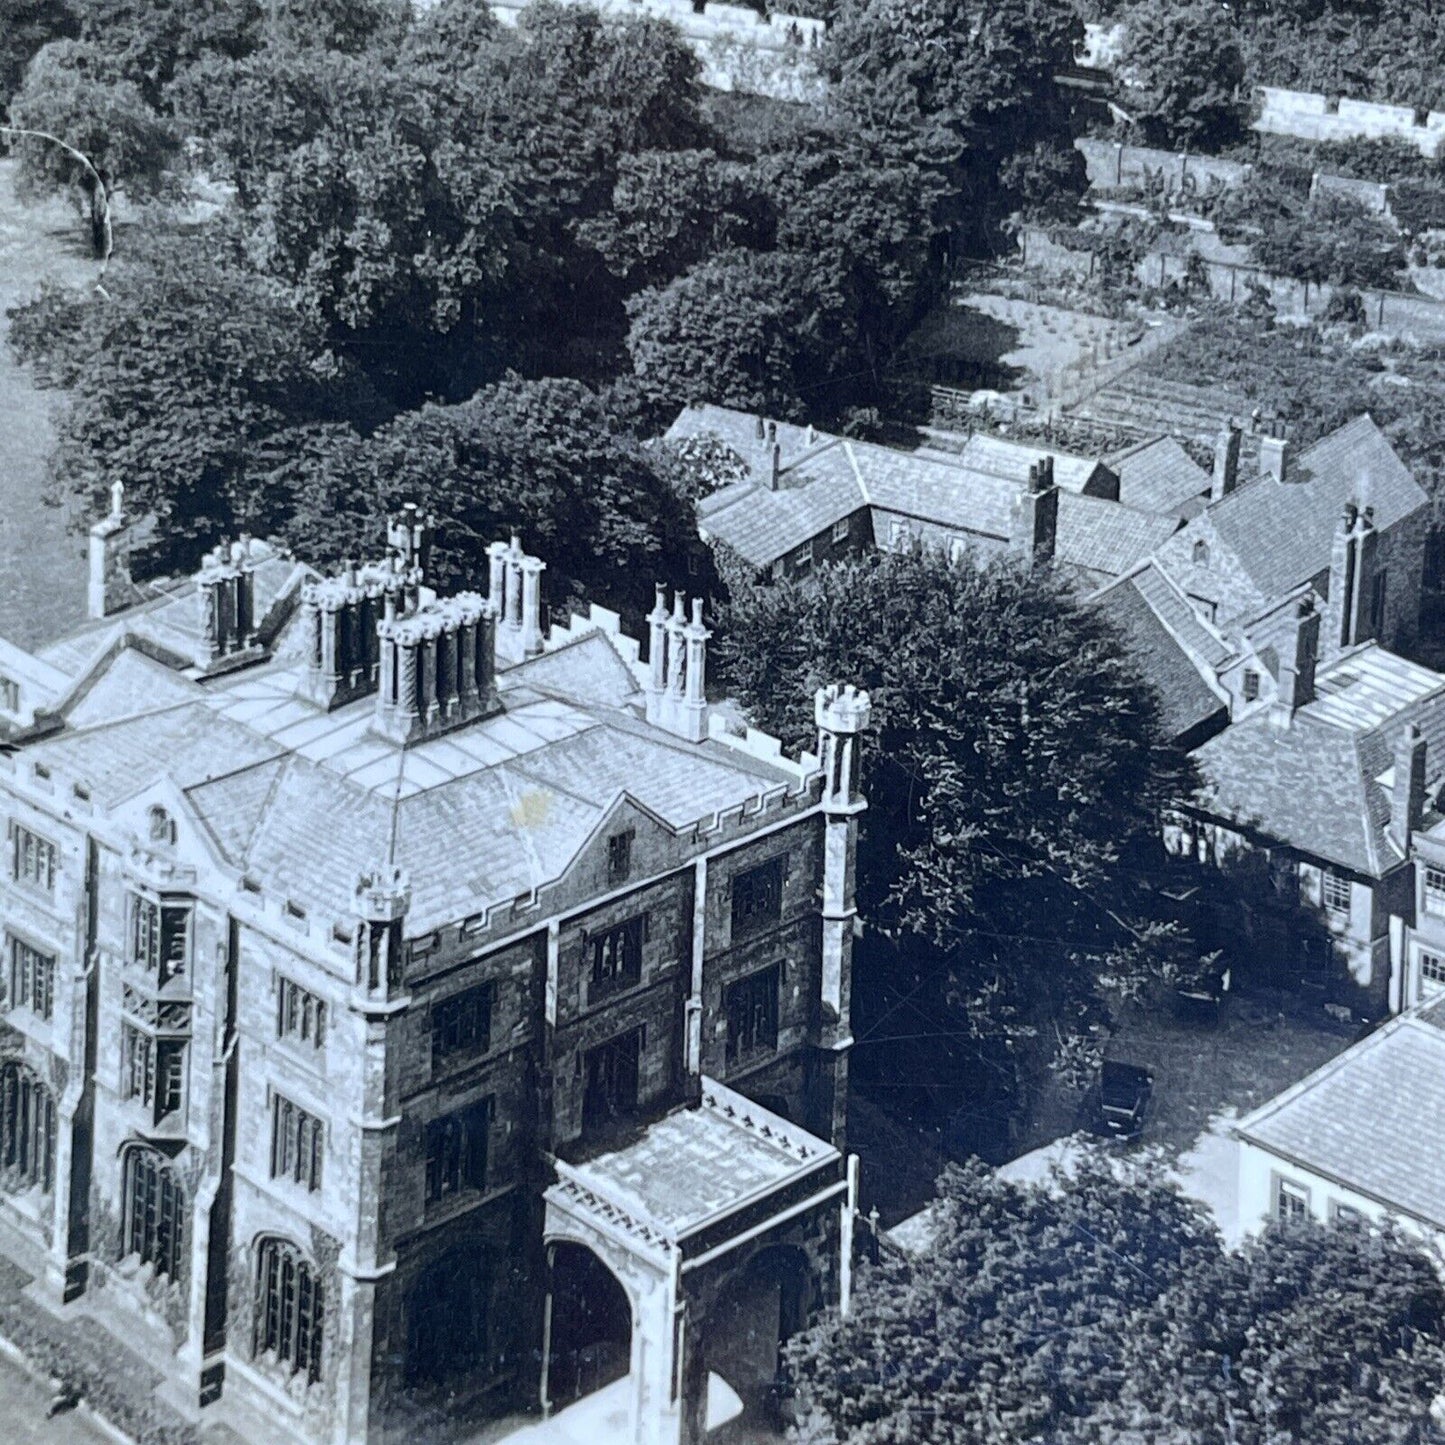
(1158, 476)
(1322, 785)
(1282, 533)
(1345, 1120)
(970, 492)
(1106, 537)
(1186, 699)
(302, 801)
(697, 1165)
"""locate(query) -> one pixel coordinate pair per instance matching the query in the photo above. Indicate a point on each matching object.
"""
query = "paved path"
(22, 1414)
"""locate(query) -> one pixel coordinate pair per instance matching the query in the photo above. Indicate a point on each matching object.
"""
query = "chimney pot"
(1275, 458)
(775, 467)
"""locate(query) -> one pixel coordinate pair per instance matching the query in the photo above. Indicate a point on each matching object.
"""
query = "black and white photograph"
(722, 725)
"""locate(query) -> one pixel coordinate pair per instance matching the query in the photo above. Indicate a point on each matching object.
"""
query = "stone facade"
(267, 1125)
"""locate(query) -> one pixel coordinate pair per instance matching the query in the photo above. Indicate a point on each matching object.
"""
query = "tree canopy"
(1184, 71)
(1104, 1311)
(1015, 770)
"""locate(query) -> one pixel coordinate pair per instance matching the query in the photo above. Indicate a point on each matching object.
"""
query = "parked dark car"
(1124, 1091)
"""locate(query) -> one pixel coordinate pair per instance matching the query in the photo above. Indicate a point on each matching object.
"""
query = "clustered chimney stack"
(1035, 521)
(1226, 462)
(1298, 656)
(1351, 608)
(1407, 797)
(514, 589)
(340, 616)
(226, 599)
(676, 689)
(438, 668)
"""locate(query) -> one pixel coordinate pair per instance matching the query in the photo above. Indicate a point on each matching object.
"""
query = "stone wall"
(739, 48)
(1311, 116)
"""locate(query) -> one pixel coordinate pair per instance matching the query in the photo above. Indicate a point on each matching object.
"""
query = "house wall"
(1261, 1171)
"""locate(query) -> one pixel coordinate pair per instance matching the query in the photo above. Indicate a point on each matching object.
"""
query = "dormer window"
(1201, 553)
(160, 826)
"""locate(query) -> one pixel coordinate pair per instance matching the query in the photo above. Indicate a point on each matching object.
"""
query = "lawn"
(41, 560)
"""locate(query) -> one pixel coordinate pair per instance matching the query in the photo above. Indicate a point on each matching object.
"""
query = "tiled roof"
(1174, 611)
(827, 479)
(1346, 1121)
(1103, 536)
(817, 489)
(301, 801)
(1158, 476)
(1282, 533)
(1321, 785)
(1186, 700)
(1011, 460)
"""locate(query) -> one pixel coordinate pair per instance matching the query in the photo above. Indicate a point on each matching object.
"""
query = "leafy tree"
(1333, 239)
(1104, 1310)
(1015, 772)
(1047, 182)
(73, 92)
(953, 88)
(26, 26)
(739, 330)
(148, 41)
(1184, 71)
(536, 457)
(672, 209)
(180, 383)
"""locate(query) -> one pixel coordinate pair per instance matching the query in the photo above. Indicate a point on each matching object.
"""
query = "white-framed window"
(1434, 889)
(842, 528)
(1251, 685)
(957, 549)
(1345, 1213)
(1291, 1201)
(1432, 973)
(900, 536)
(160, 937)
(1335, 891)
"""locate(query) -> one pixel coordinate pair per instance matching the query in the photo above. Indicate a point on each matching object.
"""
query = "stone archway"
(755, 1313)
(590, 1344)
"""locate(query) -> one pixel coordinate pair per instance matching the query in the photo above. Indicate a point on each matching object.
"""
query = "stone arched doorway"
(590, 1344)
(447, 1317)
(755, 1313)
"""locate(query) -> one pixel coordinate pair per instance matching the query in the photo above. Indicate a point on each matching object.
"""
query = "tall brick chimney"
(1352, 575)
(1275, 458)
(1226, 462)
(1298, 656)
(676, 688)
(1034, 525)
(1407, 796)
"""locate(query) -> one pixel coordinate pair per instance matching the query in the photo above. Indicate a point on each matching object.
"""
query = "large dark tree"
(954, 88)
(1104, 1311)
(1015, 772)
(1184, 72)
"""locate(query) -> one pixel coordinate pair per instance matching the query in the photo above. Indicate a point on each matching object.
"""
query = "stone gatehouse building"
(407, 1010)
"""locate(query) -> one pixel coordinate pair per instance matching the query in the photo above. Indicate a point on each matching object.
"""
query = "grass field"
(42, 562)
